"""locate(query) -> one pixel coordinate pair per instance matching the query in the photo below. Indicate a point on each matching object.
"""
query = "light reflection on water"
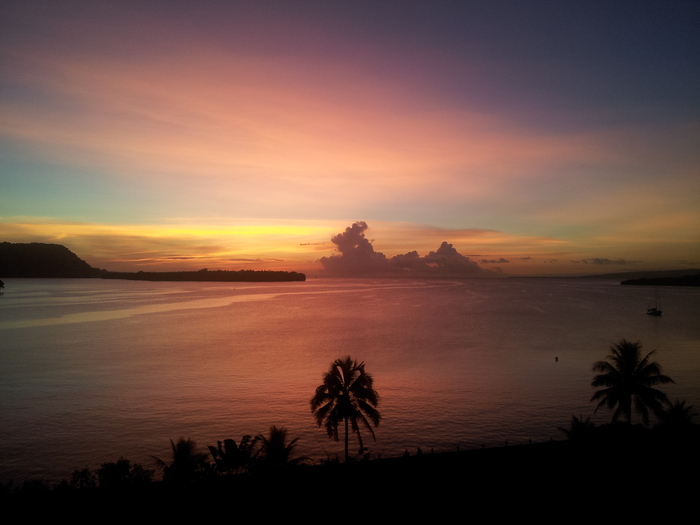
(92, 370)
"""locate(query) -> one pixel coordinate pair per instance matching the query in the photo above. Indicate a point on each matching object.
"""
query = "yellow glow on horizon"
(268, 244)
(298, 245)
(292, 243)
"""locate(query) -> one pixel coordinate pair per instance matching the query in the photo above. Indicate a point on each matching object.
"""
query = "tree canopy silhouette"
(579, 430)
(346, 396)
(187, 463)
(678, 415)
(626, 379)
(276, 451)
(230, 458)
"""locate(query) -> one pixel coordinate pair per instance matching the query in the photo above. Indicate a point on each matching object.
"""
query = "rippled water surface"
(91, 370)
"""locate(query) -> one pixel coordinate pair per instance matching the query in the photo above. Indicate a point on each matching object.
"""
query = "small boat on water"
(655, 310)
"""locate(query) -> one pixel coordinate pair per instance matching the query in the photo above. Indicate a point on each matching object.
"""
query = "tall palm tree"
(346, 396)
(627, 379)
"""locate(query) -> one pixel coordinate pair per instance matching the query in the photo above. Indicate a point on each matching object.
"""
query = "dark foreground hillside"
(616, 475)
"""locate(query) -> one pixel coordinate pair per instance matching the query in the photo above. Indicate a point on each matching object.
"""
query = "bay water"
(94, 370)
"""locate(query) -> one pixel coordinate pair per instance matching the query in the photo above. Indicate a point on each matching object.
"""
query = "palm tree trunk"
(346, 440)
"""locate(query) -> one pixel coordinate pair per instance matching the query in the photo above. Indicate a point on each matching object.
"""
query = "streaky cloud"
(494, 261)
(603, 261)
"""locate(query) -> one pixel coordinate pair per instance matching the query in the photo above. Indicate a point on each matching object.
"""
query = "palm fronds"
(346, 396)
(626, 380)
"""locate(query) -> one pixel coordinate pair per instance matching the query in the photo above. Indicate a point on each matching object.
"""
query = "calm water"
(92, 370)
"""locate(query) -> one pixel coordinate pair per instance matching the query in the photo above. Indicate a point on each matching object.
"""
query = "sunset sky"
(538, 137)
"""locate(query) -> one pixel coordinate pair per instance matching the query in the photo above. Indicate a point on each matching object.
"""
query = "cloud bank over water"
(356, 257)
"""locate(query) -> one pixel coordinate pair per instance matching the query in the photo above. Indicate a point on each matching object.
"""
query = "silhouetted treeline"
(209, 275)
(40, 260)
(547, 475)
(643, 274)
(685, 280)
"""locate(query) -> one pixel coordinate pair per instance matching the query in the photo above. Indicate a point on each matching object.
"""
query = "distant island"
(684, 280)
(41, 260)
(643, 274)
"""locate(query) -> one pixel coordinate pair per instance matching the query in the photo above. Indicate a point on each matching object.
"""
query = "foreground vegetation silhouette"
(627, 379)
(186, 463)
(346, 396)
(259, 454)
(263, 469)
(276, 452)
(230, 458)
(677, 416)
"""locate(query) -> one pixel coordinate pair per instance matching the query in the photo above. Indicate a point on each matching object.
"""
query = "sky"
(510, 137)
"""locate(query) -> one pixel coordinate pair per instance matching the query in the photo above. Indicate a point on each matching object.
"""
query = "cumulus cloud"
(448, 261)
(357, 257)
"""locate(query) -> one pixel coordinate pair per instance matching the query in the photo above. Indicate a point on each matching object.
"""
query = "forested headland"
(41, 260)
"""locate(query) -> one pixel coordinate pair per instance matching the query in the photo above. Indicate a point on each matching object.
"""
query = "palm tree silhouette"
(627, 379)
(187, 462)
(230, 458)
(579, 430)
(678, 415)
(346, 395)
(275, 451)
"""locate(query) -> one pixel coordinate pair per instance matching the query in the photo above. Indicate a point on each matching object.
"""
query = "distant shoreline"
(209, 276)
(40, 261)
(685, 280)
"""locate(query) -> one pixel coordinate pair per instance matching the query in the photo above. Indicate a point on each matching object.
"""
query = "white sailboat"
(655, 310)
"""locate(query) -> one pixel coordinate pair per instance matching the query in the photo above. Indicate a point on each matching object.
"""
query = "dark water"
(92, 370)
